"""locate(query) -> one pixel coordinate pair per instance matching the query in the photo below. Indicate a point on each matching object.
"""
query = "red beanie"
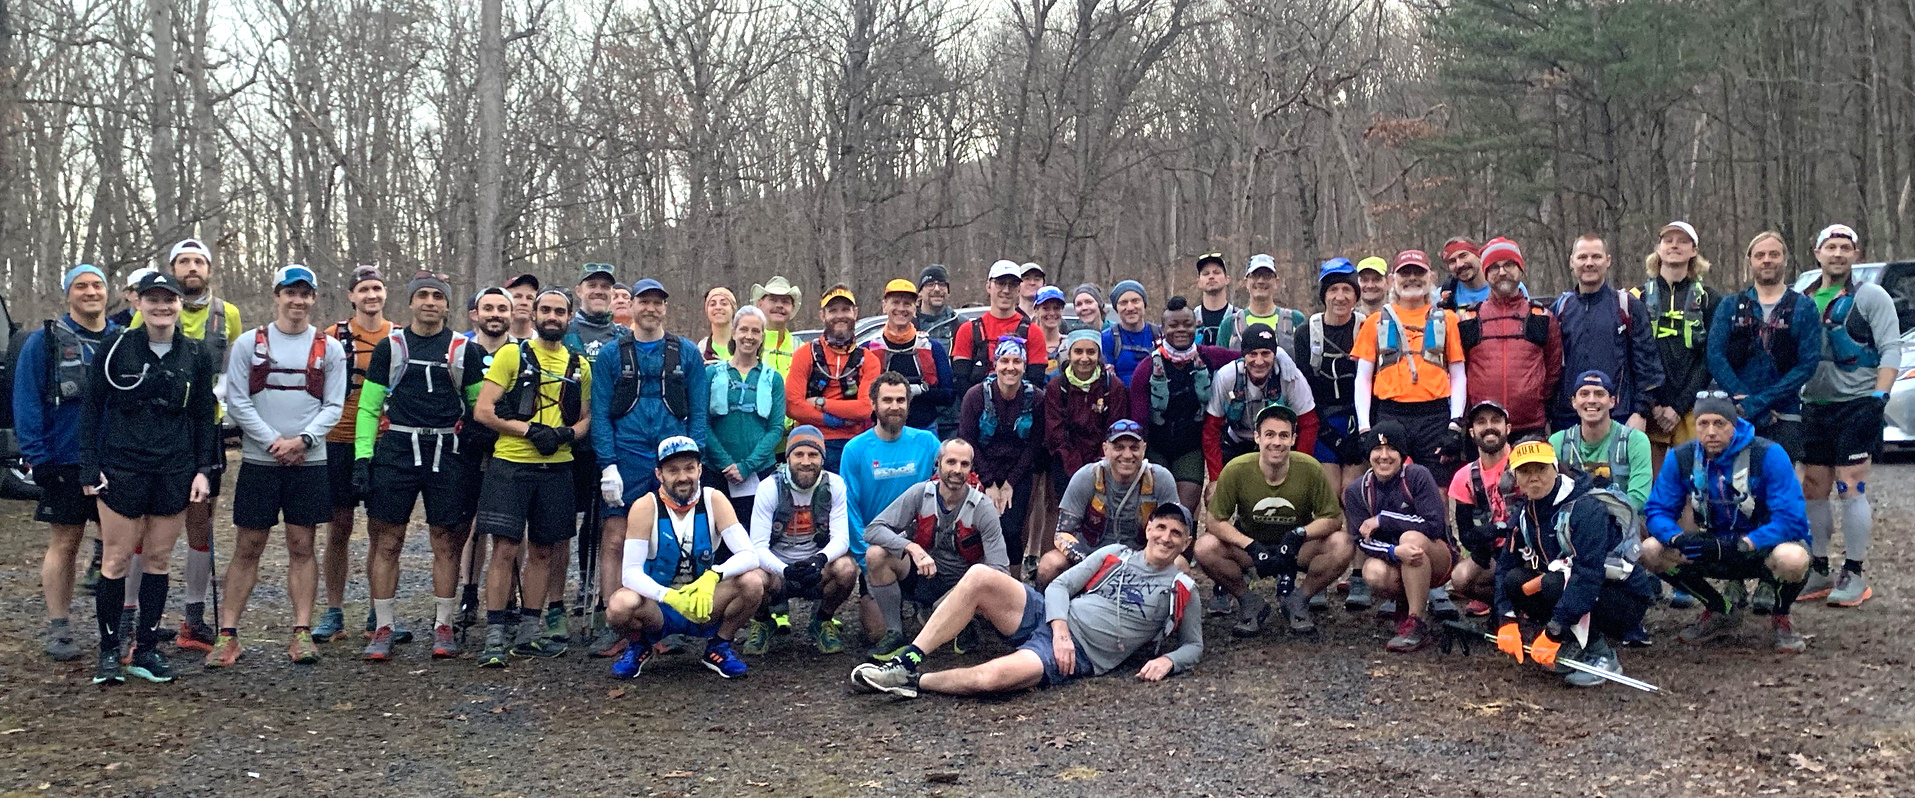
(1497, 250)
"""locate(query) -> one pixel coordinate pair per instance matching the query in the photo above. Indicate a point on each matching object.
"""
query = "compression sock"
(131, 595)
(1785, 593)
(1821, 527)
(381, 613)
(1695, 584)
(469, 594)
(443, 610)
(107, 598)
(199, 579)
(498, 617)
(1852, 566)
(891, 604)
(152, 604)
(1858, 520)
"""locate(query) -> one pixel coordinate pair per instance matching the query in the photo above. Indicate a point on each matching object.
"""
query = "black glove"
(543, 438)
(1289, 547)
(1076, 552)
(1451, 447)
(1702, 548)
(806, 574)
(1279, 559)
(361, 477)
(566, 435)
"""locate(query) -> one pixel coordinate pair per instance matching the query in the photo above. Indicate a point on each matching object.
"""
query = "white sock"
(382, 612)
(133, 573)
(199, 575)
(444, 609)
(1821, 525)
(1858, 519)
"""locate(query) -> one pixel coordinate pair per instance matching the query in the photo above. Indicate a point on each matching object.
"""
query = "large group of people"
(1056, 468)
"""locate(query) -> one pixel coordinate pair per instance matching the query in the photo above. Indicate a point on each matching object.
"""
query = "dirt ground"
(1271, 715)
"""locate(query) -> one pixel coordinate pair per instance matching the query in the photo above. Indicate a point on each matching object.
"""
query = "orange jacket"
(808, 379)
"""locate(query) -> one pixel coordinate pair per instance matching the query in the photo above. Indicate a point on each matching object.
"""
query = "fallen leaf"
(1806, 763)
(1079, 773)
(676, 774)
(616, 692)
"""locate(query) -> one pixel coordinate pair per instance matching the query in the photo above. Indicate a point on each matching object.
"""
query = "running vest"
(970, 542)
(818, 379)
(1469, 325)
(1236, 408)
(1177, 606)
(673, 386)
(1851, 339)
(1389, 340)
(1748, 332)
(1481, 512)
(920, 350)
(215, 331)
(1160, 385)
(355, 375)
(1572, 456)
(1618, 563)
(1027, 405)
(668, 556)
(402, 357)
(521, 401)
(262, 367)
(1286, 325)
(1622, 309)
(1097, 514)
(762, 392)
(1683, 318)
(782, 514)
(1213, 335)
(980, 349)
(1320, 345)
(67, 377)
(1745, 481)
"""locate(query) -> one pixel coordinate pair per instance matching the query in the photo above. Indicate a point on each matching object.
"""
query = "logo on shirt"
(1274, 510)
(899, 471)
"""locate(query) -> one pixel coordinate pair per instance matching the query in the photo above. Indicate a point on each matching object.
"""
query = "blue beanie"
(1128, 286)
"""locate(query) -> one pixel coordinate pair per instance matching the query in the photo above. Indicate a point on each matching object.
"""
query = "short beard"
(551, 335)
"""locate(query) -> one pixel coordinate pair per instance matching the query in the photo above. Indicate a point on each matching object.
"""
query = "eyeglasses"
(1501, 265)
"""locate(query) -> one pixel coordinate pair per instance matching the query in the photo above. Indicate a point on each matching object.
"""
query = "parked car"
(870, 327)
(1898, 278)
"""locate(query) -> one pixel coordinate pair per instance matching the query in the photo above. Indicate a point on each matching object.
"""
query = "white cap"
(1837, 230)
(1260, 262)
(1686, 228)
(134, 277)
(189, 245)
(1029, 267)
(1005, 268)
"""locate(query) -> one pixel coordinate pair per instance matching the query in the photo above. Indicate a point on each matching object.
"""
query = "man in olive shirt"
(1274, 514)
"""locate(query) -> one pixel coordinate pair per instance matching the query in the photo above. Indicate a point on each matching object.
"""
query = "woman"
(149, 444)
(1323, 354)
(747, 413)
(720, 304)
(1087, 308)
(1050, 318)
(999, 418)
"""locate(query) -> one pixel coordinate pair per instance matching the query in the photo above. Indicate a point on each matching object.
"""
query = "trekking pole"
(212, 573)
(1466, 631)
(587, 597)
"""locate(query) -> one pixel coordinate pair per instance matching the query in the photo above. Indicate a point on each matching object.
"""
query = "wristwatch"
(309, 440)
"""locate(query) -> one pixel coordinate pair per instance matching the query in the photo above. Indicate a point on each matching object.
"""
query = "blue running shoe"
(722, 660)
(632, 662)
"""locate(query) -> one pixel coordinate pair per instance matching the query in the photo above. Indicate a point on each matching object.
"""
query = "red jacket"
(1506, 365)
(1075, 422)
(852, 414)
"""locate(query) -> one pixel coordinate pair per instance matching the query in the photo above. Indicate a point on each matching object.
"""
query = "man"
(1213, 281)
(1410, 362)
(524, 289)
(803, 541)
(1764, 345)
(1106, 500)
(419, 383)
(1557, 570)
(830, 377)
(1608, 330)
(50, 384)
(130, 294)
(592, 327)
(284, 391)
(1842, 413)
(1031, 280)
(1682, 307)
(538, 396)
(1746, 507)
(357, 337)
(1373, 285)
(925, 540)
(936, 320)
(1169, 390)
(1262, 282)
(888, 458)
(905, 350)
(1263, 376)
(622, 305)
(1482, 512)
(591, 331)
(491, 327)
(1395, 511)
(1129, 341)
(779, 300)
(971, 360)
(216, 322)
(1469, 282)
(1599, 447)
(1512, 347)
(1274, 515)
(1086, 623)
(678, 577)
(652, 385)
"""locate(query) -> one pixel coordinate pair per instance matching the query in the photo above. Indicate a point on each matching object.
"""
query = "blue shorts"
(676, 624)
(1336, 426)
(1033, 618)
(640, 477)
(1040, 644)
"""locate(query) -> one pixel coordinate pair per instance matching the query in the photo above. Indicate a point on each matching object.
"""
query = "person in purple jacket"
(1169, 389)
(1396, 512)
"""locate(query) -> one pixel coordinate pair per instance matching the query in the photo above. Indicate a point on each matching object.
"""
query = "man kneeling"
(671, 585)
(1088, 621)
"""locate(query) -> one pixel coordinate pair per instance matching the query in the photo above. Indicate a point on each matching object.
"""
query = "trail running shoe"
(445, 641)
(826, 634)
(1851, 589)
(225, 652)
(1736, 592)
(1221, 603)
(332, 626)
(400, 633)
(494, 655)
(607, 643)
(1598, 655)
(722, 661)
(1637, 637)
(890, 677)
(1320, 601)
(1476, 609)
(59, 643)
(1412, 634)
(1386, 609)
(195, 636)
(781, 617)
(1680, 599)
(1763, 601)
(1252, 611)
(632, 662)
(1786, 639)
(379, 649)
(757, 638)
(1441, 607)
(107, 670)
(966, 639)
(534, 643)
(1359, 597)
(1296, 611)
(887, 646)
(1818, 586)
(1709, 626)
(151, 666)
(302, 650)
(555, 627)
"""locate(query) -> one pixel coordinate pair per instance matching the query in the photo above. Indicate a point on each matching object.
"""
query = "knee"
(299, 548)
(751, 586)
(1209, 547)
(842, 570)
(622, 604)
(877, 558)
(251, 544)
(1789, 562)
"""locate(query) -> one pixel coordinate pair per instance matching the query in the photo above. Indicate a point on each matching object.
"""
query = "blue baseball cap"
(1124, 428)
(1595, 377)
(674, 446)
(648, 285)
(1049, 293)
(293, 274)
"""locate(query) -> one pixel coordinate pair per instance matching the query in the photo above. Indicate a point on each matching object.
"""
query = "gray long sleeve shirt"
(285, 409)
(1130, 606)
(1833, 383)
(898, 524)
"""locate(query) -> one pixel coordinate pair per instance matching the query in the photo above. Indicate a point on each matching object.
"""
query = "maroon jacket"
(1002, 456)
(1075, 422)
(1507, 365)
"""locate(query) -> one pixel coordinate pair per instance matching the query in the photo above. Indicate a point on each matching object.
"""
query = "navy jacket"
(1595, 337)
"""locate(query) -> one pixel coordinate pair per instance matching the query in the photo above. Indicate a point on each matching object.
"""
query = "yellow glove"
(701, 591)
(687, 604)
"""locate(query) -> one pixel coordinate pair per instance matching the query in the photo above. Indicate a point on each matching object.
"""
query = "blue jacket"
(1765, 387)
(1773, 481)
(1593, 338)
(49, 435)
(631, 441)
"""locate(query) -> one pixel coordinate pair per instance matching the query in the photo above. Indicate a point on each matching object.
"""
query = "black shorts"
(264, 493)
(1841, 433)
(136, 495)
(475, 467)
(397, 484)
(518, 496)
(926, 592)
(339, 459)
(1786, 433)
(1743, 565)
(63, 500)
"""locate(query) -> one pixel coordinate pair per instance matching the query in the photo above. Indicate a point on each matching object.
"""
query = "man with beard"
(1168, 393)
(419, 383)
(1373, 285)
(1262, 282)
(831, 376)
(537, 395)
(524, 289)
(1513, 347)
(1764, 344)
(677, 577)
(1274, 515)
(491, 321)
(1106, 501)
(1410, 363)
(652, 386)
(1263, 376)
(778, 298)
(1469, 283)
(1482, 514)
(799, 530)
(1396, 513)
(1681, 308)
(889, 458)
(1608, 330)
(904, 349)
(357, 337)
(925, 540)
(936, 320)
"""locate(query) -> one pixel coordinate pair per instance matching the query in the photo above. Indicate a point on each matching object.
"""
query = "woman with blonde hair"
(1680, 308)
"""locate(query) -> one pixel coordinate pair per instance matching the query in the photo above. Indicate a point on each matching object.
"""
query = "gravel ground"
(1271, 715)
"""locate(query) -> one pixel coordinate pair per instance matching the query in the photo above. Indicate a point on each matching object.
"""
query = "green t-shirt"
(1824, 295)
(1265, 512)
(1596, 457)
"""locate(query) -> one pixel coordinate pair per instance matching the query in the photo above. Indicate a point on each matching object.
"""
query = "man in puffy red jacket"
(1515, 346)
